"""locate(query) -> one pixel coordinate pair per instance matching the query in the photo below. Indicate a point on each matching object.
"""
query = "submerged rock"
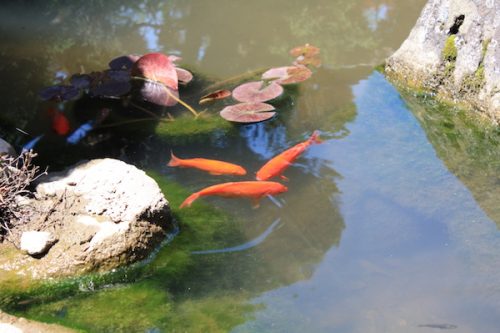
(6, 148)
(454, 50)
(104, 214)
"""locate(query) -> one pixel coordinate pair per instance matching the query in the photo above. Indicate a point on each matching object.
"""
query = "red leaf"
(306, 50)
(287, 74)
(248, 112)
(156, 67)
(216, 95)
(155, 92)
(183, 75)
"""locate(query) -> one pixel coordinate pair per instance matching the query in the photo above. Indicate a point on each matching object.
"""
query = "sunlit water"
(389, 225)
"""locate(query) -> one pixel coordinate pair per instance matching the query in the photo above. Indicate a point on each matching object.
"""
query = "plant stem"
(234, 79)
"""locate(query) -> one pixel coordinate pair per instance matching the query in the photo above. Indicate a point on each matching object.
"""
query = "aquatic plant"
(16, 174)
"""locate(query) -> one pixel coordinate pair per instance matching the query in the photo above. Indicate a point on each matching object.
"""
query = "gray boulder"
(454, 50)
(103, 213)
(6, 148)
(36, 242)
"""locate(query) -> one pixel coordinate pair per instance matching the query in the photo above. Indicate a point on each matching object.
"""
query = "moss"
(450, 49)
(380, 68)
(187, 129)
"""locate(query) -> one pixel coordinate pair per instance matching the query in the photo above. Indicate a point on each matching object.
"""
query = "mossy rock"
(450, 49)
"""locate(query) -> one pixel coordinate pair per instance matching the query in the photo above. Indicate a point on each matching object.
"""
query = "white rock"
(8, 328)
(36, 242)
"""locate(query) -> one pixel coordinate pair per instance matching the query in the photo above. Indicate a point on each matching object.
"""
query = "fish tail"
(174, 160)
(189, 200)
(315, 137)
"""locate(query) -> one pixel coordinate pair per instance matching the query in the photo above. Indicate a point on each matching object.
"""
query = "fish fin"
(174, 160)
(255, 203)
(284, 178)
(315, 137)
(213, 173)
(189, 200)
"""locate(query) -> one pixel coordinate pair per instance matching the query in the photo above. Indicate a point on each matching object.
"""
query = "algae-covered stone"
(454, 51)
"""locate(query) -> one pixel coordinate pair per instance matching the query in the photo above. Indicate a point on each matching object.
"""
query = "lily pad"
(253, 92)
(156, 67)
(216, 95)
(124, 62)
(306, 50)
(155, 92)
(111, 83)
(248, 112)
(184, 76)
(287, 74)
(59, 93)
(81, 81)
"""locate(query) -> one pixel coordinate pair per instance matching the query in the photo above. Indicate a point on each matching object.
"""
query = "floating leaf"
(174, 58)
(248, 112)
(287, 74)
(253, 92)
(156, 67)
(81, 81)
(123, 62)
(155, 92)
(216, 95)
(184, 76)
(306, 50)
(110, 83)
(59, 93)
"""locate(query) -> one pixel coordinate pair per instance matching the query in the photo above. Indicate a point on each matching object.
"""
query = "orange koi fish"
(214, 167)
(250, 189)
(275, 166)
(60, 124)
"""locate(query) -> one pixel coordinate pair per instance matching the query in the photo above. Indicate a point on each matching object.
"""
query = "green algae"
(449, 52)
(186, 129)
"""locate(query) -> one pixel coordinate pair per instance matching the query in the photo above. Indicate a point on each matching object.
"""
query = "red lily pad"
(306, 50)
(287, 74)
(184, 76)
(174, 58)
(156, 67)
(253, 92)
(216, 95)
(123, 62)
(248, 112)
(155, 92)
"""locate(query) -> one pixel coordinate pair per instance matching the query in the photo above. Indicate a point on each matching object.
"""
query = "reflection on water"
(375, 234)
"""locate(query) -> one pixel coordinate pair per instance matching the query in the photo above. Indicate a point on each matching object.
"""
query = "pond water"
(389, 225)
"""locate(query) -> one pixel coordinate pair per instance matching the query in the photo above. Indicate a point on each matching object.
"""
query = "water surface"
(390, 225)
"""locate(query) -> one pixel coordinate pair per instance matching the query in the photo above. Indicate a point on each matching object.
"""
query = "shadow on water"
(470, 150)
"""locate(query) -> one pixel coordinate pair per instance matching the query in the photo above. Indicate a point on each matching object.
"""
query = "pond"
(390, 225)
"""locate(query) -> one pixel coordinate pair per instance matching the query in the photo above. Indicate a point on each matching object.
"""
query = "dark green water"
(390, 225)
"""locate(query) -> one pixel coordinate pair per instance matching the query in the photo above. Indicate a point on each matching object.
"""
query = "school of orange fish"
(254, 190)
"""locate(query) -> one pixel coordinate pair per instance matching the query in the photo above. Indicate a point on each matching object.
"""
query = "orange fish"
(214, 167)
(275, 166)
(60, 123)
(250, 189)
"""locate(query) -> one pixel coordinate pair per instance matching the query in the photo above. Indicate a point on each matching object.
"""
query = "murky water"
(390, 225)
